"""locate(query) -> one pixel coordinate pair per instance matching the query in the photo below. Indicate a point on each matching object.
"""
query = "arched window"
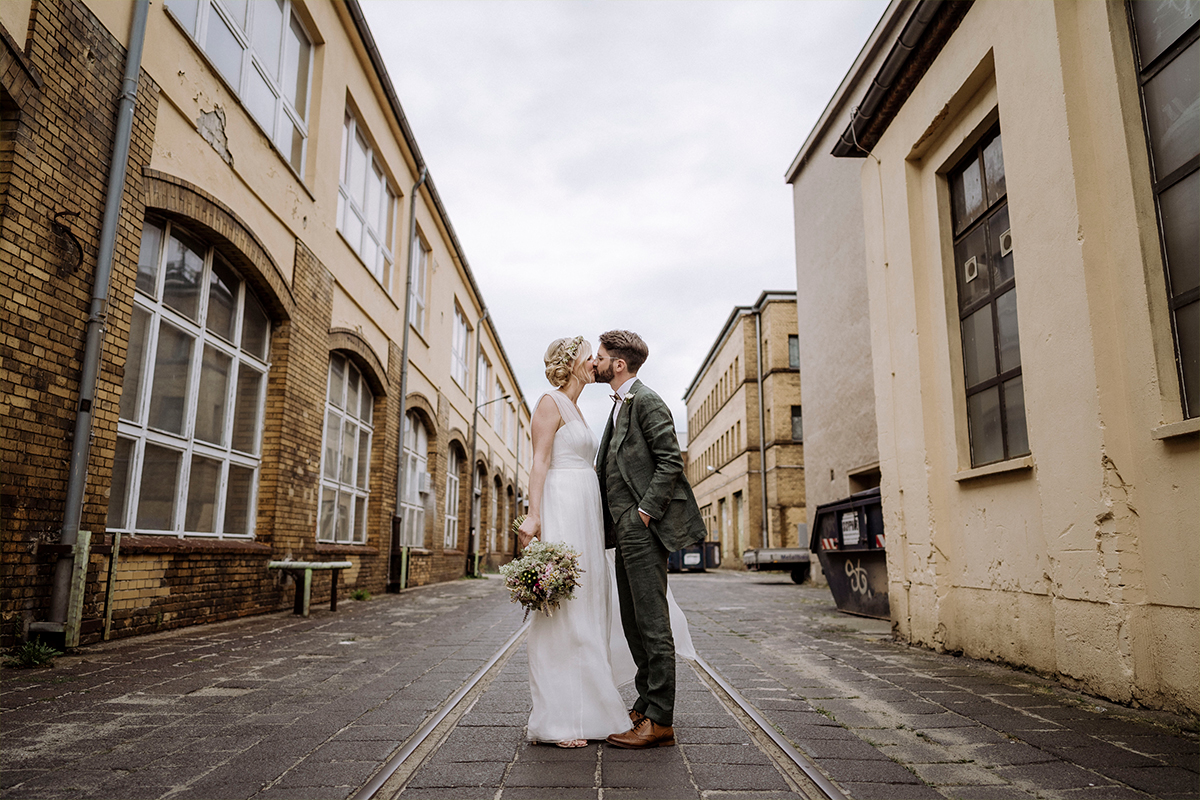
(416, 481)
(477, 509)
(345, 455)
(191, 411)
(453, 465)
(506, 528)
(494, 515)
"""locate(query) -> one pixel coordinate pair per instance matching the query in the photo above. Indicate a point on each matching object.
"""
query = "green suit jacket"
(648, 459)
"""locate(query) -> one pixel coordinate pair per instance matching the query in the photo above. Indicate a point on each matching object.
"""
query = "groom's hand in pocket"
(645, 517)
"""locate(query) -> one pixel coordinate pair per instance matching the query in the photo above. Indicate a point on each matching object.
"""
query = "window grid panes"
(797, 425)
(366, 209)
(1165, 38)
(265, 55)
(493, 516)
(510, 411)
(192, 397)
(987, 303)
(483, 376)
(420, 279)
(345, 455)
(415, 459)
(458, 348)
(450, 534)
(497, 409)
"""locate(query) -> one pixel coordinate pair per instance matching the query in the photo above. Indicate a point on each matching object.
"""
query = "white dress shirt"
(622, 392)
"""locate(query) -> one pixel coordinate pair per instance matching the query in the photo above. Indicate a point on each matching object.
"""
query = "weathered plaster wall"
(1081, 559)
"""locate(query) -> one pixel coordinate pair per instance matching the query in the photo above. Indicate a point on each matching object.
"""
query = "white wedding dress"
(578, 657)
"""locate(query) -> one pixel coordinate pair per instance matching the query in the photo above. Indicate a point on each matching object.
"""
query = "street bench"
(301, 572)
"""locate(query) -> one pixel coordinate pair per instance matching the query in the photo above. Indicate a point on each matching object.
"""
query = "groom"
(649, 511)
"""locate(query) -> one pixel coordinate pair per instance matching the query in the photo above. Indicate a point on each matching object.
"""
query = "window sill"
(1012, 465)
(419, 334)
(346, 549)
(418, 551)
(150, 543)
(362, 263)
(1173, 429)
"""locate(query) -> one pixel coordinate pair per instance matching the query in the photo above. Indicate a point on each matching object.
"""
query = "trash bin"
(712, 555)
(848, 538)
(689, 559)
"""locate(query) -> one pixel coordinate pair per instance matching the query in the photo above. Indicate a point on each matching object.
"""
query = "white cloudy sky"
(618, 163)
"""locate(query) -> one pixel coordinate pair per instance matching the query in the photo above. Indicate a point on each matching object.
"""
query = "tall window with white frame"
(987, 304)
(493, 515)
(453, 467)
(498, 412)
(191, 411)
(519, 450)
(416, 461)
(420, 280)
(474, 540)
(1165, 40)
(459, 339)
(510, 425)
(506, 526)
(483, 379)
(793, 351)
(265, 55)
(366, 210)
(345, 455)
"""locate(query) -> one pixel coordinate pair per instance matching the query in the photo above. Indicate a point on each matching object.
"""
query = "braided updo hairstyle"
(561, 357)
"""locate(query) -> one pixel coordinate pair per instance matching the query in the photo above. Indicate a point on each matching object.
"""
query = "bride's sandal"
(570, 743)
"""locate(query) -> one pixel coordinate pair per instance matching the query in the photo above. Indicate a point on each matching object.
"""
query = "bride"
(577, 657)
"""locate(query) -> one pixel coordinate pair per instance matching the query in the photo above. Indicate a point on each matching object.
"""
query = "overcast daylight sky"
(618, 163)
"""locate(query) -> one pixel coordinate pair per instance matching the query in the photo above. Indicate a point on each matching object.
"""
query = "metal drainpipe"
(762, 428)
(394, 579)
(471, 521)
(98, 315)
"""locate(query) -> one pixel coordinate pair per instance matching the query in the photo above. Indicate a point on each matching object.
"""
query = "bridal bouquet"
(544, 576)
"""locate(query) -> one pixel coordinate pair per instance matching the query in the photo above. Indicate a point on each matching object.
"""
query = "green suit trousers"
(645, 617)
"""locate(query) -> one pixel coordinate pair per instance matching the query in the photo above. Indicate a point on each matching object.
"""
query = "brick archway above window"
(456, 438)
(419, 404)
(196, 209)
(363, 355)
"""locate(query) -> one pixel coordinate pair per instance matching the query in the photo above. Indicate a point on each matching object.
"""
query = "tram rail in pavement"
(393, 776)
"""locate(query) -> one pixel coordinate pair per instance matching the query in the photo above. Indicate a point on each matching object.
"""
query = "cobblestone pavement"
(275, 706)
(915, 724)
(283, 707)
(487, 757)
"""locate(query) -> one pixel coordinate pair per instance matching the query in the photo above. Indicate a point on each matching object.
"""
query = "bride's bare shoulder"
(547, 413)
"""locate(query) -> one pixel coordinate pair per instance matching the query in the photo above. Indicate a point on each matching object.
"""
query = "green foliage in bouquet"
(543, 577)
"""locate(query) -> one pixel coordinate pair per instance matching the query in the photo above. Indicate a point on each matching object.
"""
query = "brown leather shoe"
(646, 733)
(635, 716)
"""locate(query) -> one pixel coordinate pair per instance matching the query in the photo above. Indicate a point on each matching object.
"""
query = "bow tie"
(617, 398)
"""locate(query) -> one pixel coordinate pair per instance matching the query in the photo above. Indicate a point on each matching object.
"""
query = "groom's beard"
(603, 376)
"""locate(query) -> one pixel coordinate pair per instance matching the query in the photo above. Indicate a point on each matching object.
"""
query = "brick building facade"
(727, 446)
(248, 402)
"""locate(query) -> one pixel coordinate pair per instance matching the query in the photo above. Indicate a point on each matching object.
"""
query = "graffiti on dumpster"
(858, 577)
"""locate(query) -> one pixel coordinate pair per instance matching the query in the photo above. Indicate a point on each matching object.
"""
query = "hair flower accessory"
(567, 357)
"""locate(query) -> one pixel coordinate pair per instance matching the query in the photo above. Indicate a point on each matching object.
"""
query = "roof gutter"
(849, 145)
